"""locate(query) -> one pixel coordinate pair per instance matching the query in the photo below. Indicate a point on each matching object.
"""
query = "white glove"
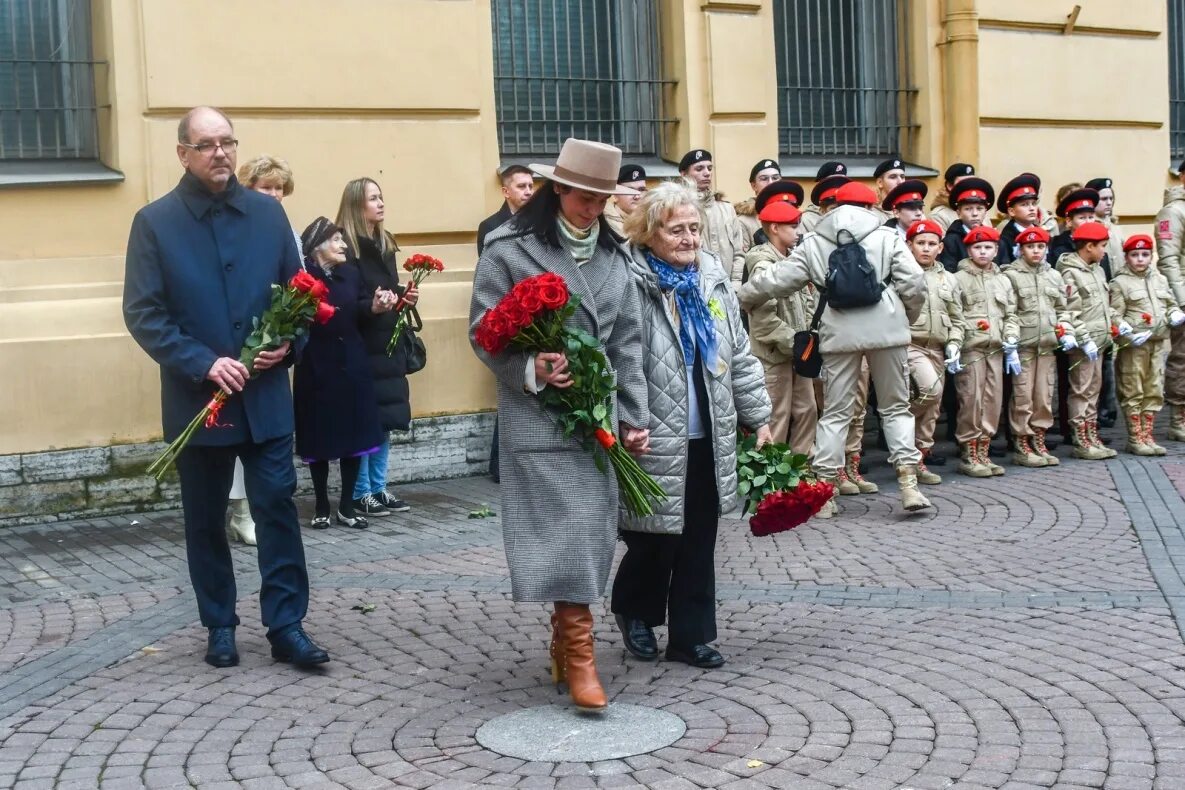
(1012, 362)
(1176, 318)
(1125, 329)
(953, 355)
(1010, 344)
(1069, 343)
(1141, 338)
(1091, 350)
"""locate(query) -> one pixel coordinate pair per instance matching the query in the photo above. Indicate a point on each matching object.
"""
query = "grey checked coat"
(736, 389)
(559, 512)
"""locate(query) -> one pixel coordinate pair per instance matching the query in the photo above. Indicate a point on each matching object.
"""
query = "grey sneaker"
(370, 506)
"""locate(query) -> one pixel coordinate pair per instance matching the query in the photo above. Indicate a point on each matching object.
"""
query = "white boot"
(242, 527)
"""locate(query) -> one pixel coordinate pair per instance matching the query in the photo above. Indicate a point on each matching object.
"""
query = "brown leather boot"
(580, 669)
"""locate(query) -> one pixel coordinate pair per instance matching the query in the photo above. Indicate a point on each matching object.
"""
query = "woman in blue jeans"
(372, 249)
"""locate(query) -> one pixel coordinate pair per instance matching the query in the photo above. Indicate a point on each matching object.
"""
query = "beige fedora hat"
(588, 165)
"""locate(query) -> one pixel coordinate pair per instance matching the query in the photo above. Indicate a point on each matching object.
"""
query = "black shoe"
(997, 452)
(934, 459)
(391, 503)
(354, 522)
(702, 656)
(220, 647)
(1107, 419)
(638, 637)
(370, 506)
(294, 647)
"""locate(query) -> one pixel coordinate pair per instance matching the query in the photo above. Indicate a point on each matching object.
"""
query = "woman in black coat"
(373, 250)
(334, 401)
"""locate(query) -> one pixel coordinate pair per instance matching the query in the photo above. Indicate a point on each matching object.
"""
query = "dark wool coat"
(336, 410)
(559, 512)
(388, 373)
(199, 267)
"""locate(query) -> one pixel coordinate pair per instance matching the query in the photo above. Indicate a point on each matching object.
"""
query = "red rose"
(554, 296)
(319, 290)
(517, 315)
(531, 301)
(489, 333)
(783, 510)
(501, 326)
(324, 312)
(303, 281)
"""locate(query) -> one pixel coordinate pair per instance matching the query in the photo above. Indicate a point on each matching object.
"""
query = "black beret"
(831, 169)
(693, 156)
(764, 164)
(785, 186)
(1077, 201)
(956, 170)
(1026, 186)
(886, 166)
(830, 182)
(631, 173)
(1099, 184)
(908, 191)
(981, 191)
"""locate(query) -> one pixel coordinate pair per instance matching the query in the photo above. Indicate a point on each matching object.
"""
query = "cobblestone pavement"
(1025, 633)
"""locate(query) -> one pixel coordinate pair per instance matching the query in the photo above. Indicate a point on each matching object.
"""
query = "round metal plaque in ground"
(557, 734)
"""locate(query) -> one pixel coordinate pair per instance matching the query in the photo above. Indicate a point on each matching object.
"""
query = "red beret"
(780, 211)
(1138, 242)
(923, 226)
(1090, 231)
(982, 233)
(855, 193)
(1033, 235)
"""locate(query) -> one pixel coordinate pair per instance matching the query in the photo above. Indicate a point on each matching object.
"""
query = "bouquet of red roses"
(778, 486)
(294, 307)
(531, 317)
(420, 266)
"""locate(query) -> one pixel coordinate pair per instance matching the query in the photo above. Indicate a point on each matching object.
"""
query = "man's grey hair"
(183, 125)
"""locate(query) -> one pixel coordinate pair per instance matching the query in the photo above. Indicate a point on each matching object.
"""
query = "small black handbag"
(417, 352)
(808, 362)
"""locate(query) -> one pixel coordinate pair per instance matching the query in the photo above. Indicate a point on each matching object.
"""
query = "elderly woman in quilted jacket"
(702, 380)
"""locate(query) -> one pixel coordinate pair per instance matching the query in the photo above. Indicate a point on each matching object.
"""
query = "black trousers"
(676, 573)
(206, 475)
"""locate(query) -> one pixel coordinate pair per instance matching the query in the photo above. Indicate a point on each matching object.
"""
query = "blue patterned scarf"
(695, 319)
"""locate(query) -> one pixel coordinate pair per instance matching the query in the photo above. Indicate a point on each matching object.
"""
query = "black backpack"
(851, 278)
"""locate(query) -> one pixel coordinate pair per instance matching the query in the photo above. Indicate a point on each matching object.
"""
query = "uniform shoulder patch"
(1164, 229)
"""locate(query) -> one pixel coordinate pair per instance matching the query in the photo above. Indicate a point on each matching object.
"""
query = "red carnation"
(303, 281)
(1059, 330)
(324, 312)
(983, 324)
(1147, 317)
(1114, 331)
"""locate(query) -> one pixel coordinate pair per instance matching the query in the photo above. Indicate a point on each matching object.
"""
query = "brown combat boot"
(1043, 451)
(580, 669)
(1136, 443)
(1083, 445)
(1177, 424)
(1092, 429)
(1027, 455)
(925, 476)
(844, 486)
(1148, 419)
(911, 498)
(970, 465)
(853, 471)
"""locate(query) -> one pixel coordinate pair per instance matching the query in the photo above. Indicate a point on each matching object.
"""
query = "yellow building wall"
(402, 91)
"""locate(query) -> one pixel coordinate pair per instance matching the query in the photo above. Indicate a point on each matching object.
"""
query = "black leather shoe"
(294, 647)
(220, 647)
(702, 656)
(935, 459)
(638, 637)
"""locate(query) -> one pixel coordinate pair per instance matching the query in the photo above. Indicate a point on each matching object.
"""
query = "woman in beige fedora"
(559, 512)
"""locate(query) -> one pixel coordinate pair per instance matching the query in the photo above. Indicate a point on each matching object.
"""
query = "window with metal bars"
(578, 68)
(47, 81)
(843, 78)
(1176, 36)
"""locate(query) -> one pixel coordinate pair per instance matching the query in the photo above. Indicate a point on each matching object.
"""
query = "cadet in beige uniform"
(878, 333)
(772, 325)
(831, 176)
(1090, 315)
(1042, 318)
(621, 206)
(1142, 304)
(888, 175)
(1170, 239)
(1105, 211)
(722, 232)
(936, 338)
(761, 175)
(940, 209)
(987, 301)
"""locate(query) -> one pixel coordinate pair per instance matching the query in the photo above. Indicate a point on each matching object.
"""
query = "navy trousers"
(206, 476)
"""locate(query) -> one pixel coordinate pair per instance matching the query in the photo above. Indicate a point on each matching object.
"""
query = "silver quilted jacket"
(736, 389)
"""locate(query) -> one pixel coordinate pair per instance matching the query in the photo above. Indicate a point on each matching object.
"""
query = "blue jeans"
(372, 473)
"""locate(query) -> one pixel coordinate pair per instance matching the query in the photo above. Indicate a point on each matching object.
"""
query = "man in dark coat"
(201, 262)
(518, 184)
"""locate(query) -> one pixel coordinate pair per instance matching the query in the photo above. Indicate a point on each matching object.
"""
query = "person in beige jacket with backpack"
(875, 290)
(772, 325)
